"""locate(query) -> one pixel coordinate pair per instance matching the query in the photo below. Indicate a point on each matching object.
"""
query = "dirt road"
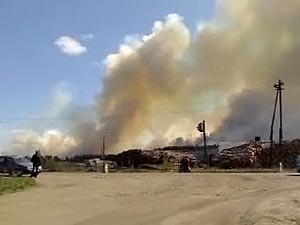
(155, 199)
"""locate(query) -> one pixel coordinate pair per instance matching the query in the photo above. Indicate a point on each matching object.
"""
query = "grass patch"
(14, 184)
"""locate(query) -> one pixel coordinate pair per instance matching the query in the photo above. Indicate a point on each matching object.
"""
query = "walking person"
(36, 161)
(185, 166)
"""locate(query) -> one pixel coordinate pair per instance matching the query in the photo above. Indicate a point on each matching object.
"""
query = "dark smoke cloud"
(249, 116)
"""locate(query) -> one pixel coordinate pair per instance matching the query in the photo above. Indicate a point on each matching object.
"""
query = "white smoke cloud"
(70, 46)
(44, 132)
(51, 142)
(61, 98)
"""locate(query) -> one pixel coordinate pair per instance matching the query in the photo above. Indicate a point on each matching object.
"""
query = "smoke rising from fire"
(157, 87)
(51, 142)
(150, 96)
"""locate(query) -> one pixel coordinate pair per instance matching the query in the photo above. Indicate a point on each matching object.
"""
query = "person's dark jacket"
(36, 160)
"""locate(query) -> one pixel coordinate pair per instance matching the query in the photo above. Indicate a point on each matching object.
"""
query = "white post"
(105, 168)
(280, 167)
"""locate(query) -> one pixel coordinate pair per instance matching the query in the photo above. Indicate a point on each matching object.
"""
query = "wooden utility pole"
(103, 150)
(278, 88)
(272, 132)
(103, 146)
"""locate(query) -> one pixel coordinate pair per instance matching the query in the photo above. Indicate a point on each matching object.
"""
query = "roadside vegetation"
(14, 184)
(55, 164)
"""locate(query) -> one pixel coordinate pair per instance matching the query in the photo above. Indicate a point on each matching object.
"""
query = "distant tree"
(51, 165)
(56, 159)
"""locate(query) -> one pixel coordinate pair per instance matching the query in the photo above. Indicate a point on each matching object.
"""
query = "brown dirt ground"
(155, 199)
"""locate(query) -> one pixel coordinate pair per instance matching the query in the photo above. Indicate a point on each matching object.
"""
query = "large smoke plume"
(157, 87)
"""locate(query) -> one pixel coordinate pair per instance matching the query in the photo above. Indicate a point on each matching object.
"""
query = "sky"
(52, 52)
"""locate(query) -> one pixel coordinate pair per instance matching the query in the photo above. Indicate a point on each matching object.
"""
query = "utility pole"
(103, 150)
(272, 132)
(201, 129)
(278, 88)
(103, 146)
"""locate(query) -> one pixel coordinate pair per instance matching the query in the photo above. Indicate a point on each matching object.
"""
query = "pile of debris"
(137, 157)
(95, 162)
(242, 156)
(254, 154)
(288, 154)
(172, 156)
